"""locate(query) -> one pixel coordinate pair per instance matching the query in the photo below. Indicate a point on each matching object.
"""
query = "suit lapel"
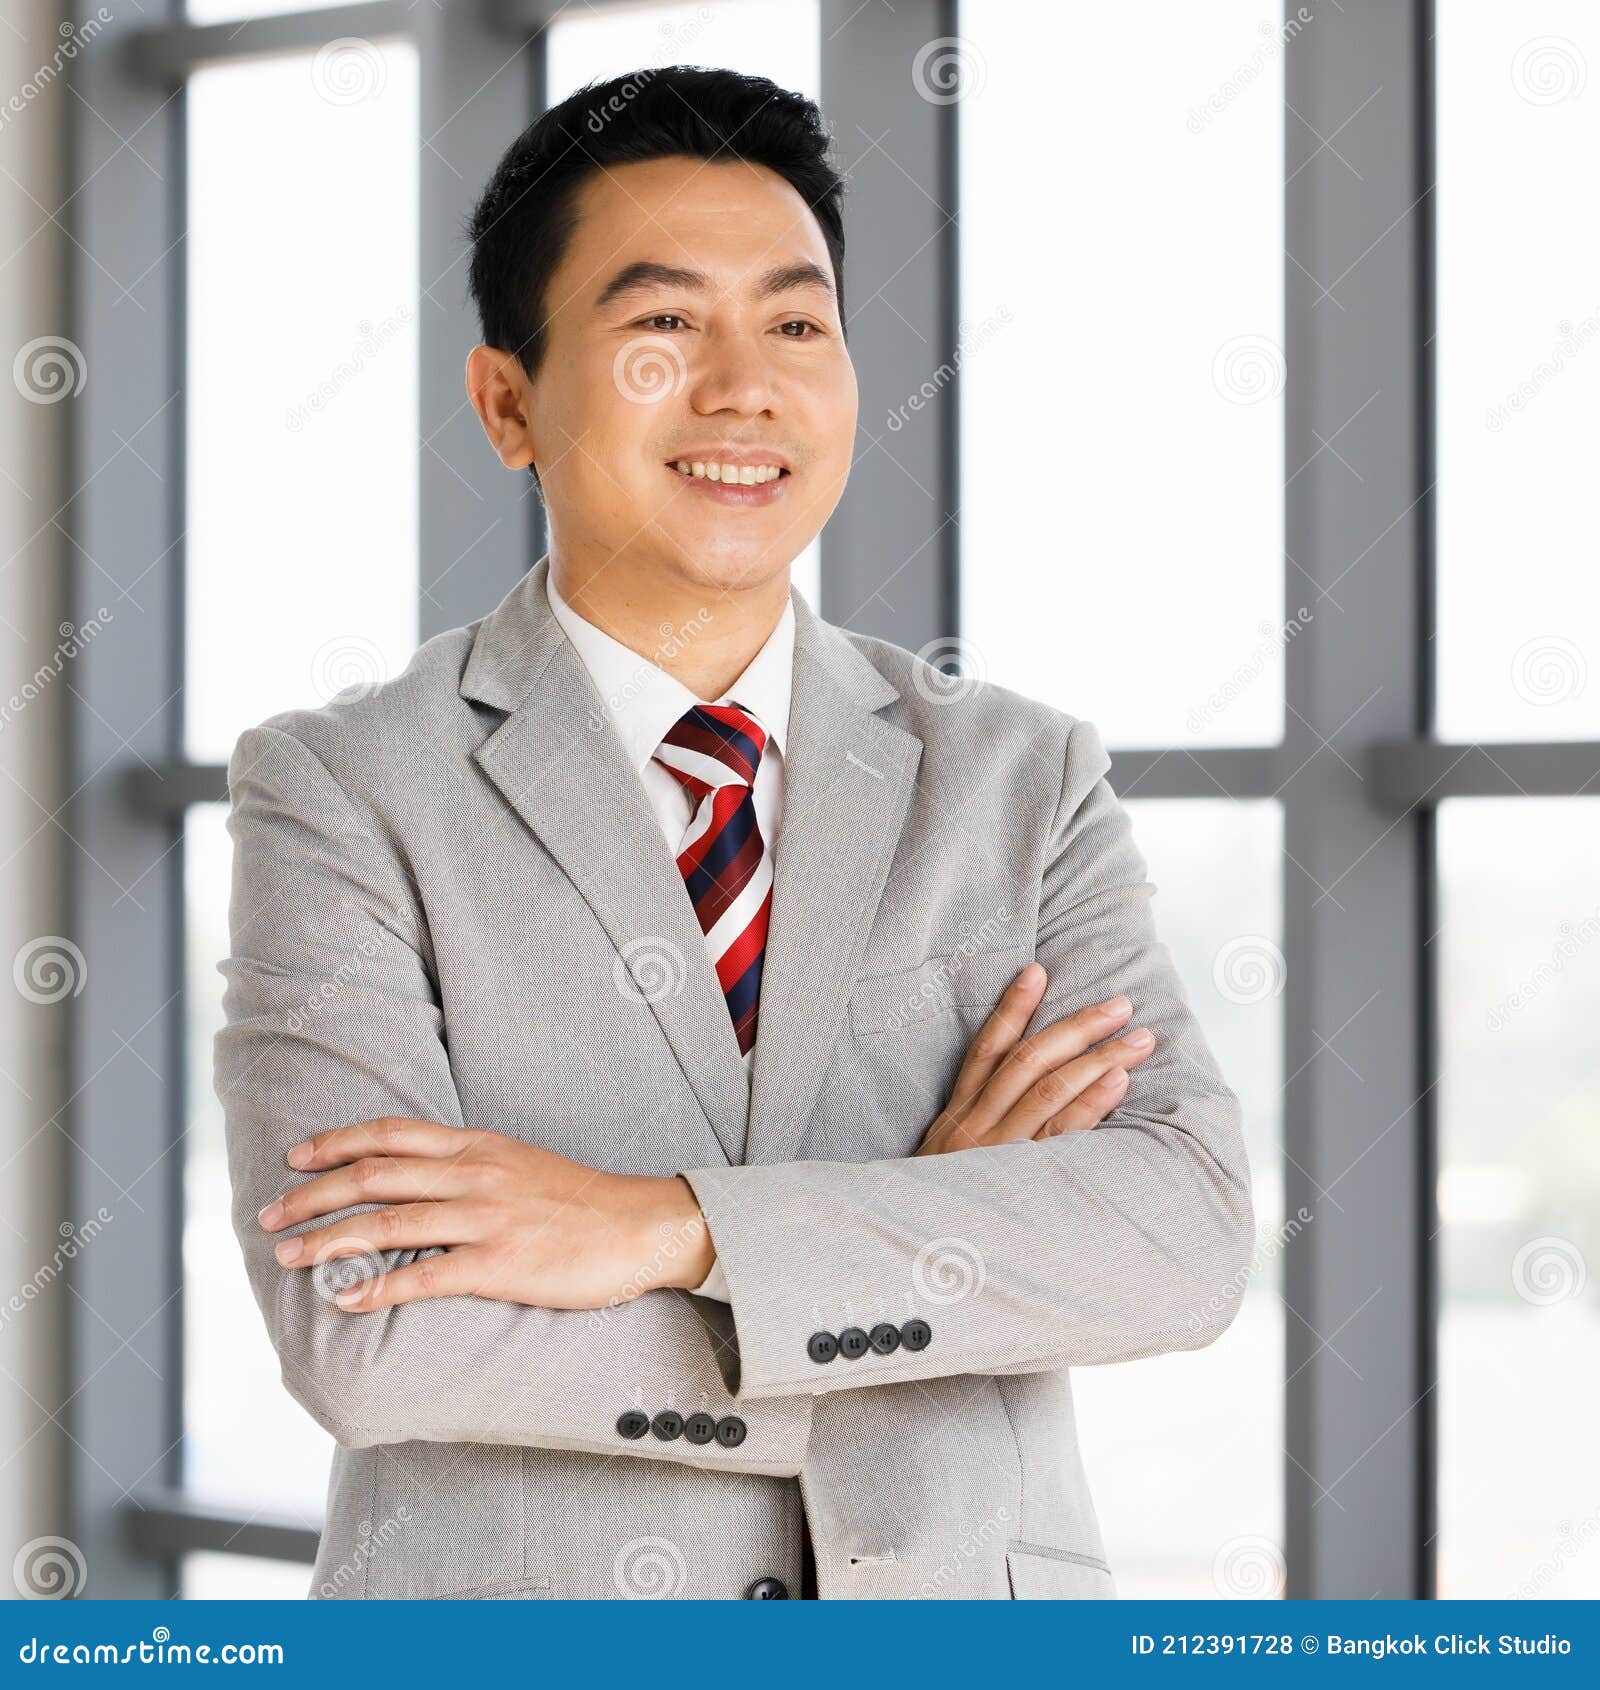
(849, 777)
(558, 763)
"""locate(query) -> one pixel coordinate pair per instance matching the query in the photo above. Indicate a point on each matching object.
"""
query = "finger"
(1057, 1089)
(373, 1179)
(1000, 1032)
(388, 1135)
(411, 1226)
(1090, 1107)
(1038, 1055)
(456, 1273)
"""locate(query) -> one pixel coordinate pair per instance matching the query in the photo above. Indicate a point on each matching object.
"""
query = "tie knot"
(713, 745)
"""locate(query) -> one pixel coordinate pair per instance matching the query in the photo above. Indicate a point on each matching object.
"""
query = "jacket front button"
(767, 1590)
(634, 1424)
(667, 1425)
(822, 1346)
(700, 1428)
(885, 1338)
(916, 1334)
(730, 1431)
(853, 1343)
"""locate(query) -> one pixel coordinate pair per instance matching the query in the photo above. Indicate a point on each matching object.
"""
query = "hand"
(520, 1224)
(1048, 1083)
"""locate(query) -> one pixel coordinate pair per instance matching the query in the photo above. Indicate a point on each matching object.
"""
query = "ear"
(498, 390)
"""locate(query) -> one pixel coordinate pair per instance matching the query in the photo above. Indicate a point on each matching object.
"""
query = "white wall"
(32, 845)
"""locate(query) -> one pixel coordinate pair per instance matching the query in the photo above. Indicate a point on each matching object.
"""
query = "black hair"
(522, 224)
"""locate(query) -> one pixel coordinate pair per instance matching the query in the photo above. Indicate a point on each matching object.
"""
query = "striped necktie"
(714, 751)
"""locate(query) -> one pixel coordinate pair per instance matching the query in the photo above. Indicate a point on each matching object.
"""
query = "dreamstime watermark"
(969, 339)
(49, 969)
(1547, 1271)
(648, 369)
(950, 669)
(73, 1239)
(1575, 1540)
(1267, 1249)
(49, 369)
(1274, 637)
(1248, 1567)
(74, 37)
(937, 987)
(1573, 937)
(948, 1270)
(1548, 70)
(971, 1543)
(1574, 338)
(1248, 369)
(73, 638)
(649, 1568)
(49, 1569)
(348, 663)
(370, 1543)
(948, 69)
(1249, 969)
(1275, 39)
(370, 945)
(372, 342)
(674, 641)
(1549, 670)
(671, 1241)
(648, 969)
(348, 70)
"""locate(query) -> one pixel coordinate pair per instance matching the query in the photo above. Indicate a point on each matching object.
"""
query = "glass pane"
(1121, 355)
(223, 1578)
(779, 39)
(230, 11)
(1175, 1525)
(246, 1441)
(1519, 1198)
(302, 383)
(1518, 369)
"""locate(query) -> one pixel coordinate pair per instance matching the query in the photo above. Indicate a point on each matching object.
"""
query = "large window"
(1229, 381)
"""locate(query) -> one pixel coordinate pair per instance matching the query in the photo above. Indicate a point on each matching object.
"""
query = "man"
(627, 1052)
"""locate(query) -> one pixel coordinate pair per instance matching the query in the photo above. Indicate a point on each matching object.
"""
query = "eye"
(659, 317)
(799, 323)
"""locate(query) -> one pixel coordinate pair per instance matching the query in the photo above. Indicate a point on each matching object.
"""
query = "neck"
(703, 635)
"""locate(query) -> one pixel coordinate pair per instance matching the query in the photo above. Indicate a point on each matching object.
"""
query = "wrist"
(672, 1241)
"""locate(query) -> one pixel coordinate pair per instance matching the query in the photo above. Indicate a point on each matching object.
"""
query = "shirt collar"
(644, 701)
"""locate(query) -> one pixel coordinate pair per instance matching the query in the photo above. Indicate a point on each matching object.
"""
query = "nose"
(732, 373)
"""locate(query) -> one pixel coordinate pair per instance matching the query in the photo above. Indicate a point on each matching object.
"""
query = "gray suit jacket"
(452, 901)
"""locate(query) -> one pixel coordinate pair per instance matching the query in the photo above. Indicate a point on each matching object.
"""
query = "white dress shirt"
(644, 701)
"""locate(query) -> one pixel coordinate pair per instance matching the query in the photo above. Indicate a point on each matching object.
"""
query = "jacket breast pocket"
(1039, 1573)
(886, 1003)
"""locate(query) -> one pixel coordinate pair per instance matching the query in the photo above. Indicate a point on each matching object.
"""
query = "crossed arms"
(565, 1283)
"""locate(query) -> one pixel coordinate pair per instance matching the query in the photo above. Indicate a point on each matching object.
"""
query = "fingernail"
(1140, 1037)
(348, 1299)
(272, 1214)
(1116, 1006)
(300, 1156)
(288, 1251)
(1032, 974)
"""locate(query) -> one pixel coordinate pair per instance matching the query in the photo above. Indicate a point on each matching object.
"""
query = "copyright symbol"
(1309, 1644)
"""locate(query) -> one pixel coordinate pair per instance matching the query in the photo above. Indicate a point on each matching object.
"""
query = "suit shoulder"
(945, 693)
(372, 725)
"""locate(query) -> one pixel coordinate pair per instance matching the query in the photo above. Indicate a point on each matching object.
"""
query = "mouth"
(738, 484)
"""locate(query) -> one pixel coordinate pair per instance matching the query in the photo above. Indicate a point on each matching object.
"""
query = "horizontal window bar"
(1401, 774)
(169, 1523)
(167, 55)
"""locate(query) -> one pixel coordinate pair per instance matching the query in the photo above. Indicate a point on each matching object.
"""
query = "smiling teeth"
(747, 475)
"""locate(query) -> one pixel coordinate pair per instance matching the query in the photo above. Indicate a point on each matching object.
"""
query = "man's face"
(693, 321)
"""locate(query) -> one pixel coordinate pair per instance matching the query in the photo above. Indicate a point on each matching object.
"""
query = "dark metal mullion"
(163, 56)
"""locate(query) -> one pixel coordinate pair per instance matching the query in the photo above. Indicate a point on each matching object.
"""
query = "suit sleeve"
(332, 1017)
(1102, 1246)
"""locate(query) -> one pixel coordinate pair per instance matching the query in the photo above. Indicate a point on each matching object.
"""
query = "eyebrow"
(645, 275)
